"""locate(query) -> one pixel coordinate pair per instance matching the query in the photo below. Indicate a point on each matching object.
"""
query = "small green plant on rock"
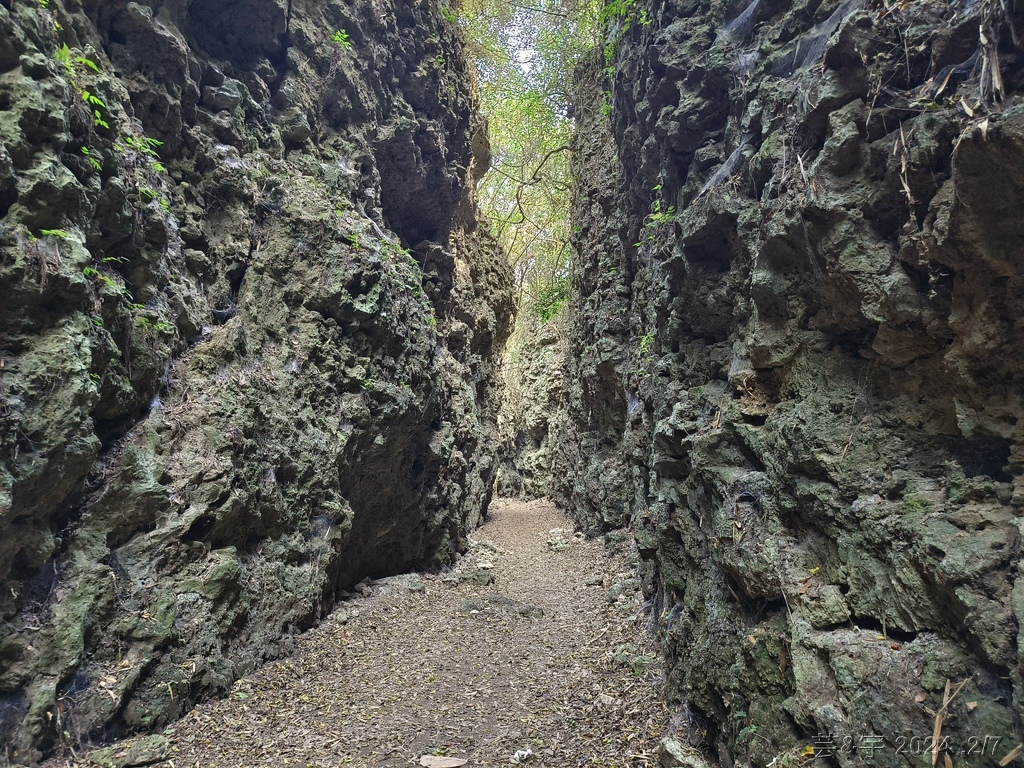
(646, 342)
(120, 290)
(617, 16)
(915, 504)
(658, 216)
(341, 38)
(550, 300)
(151, 194)
(159, 326)
(93, 162)
(144, 146)
(73, 67)
(655, 219)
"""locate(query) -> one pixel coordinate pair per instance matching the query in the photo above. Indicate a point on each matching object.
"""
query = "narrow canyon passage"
(290, 292)
(547, 658)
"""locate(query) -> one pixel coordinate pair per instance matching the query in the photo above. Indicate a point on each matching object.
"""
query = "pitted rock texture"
(795, 363)
(248, 335)
(533, 386)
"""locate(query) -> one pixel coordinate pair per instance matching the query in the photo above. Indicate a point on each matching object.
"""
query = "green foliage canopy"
(526, 55)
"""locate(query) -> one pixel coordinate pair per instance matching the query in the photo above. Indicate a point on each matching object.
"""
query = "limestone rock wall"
(534, 386)
(795, 366)
(248, 334)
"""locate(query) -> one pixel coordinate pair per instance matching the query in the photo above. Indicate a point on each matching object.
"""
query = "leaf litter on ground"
(458, 670)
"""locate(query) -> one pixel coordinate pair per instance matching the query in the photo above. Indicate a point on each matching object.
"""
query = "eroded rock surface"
(531, 400)
(248, 325)
(795, 363)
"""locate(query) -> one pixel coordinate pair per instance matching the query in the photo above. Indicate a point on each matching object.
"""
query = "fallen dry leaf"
(431, 761)
(1012, 755)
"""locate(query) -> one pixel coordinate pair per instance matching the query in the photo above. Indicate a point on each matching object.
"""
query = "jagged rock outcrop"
(532, 376)
(248, 337)
(795, 365)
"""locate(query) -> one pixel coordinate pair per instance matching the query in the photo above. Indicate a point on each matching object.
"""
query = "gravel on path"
(545, 660)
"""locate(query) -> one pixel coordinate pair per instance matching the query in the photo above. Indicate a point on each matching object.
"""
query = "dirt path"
(538, 660)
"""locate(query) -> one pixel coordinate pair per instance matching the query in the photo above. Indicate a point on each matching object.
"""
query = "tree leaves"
(525, 55)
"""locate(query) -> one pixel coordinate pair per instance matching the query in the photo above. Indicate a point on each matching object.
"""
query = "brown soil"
(535, 660)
